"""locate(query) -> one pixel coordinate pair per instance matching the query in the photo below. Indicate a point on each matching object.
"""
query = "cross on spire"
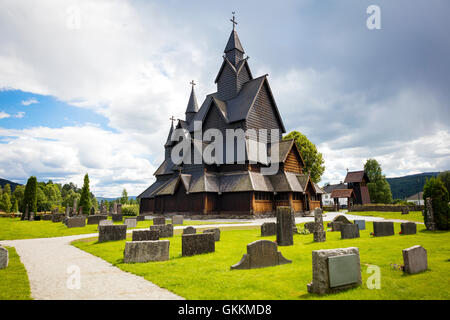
(192, 83)
(172, 118)
(233, 20)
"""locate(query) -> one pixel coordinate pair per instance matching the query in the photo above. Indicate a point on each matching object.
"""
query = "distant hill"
(13, 185)
(403, 187)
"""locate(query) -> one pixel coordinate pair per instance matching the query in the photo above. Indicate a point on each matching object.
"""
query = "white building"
(326, 197)
(416, 198)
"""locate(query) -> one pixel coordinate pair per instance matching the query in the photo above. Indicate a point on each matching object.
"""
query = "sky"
(89, 86)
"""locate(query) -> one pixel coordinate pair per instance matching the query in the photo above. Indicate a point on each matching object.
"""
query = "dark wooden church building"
(241, 101)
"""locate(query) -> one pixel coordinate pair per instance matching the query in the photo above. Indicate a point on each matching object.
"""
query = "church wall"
(235, 202)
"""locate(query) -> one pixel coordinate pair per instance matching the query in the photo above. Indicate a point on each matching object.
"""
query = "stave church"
(237, 187)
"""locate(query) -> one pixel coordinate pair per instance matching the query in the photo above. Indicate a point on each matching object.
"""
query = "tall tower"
(192, 107)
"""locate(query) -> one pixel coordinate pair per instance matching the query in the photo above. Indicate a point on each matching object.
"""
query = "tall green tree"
(30, 197)
(124, 198)
(7, 189)
(435, 189)
(19, 195)
(379, 188)
(445, 178)
(314, 163)
(5, 202)
(85, 200)
(15, 207)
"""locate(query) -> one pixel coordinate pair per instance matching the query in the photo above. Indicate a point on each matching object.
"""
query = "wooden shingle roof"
(356, 176)
(342, 193)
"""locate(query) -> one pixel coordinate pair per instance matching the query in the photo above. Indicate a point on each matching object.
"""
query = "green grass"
(13, 228)
(14, 284)
(209, 276)
(415, 216)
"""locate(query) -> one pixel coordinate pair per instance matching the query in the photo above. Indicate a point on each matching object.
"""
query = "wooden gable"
(293, 162)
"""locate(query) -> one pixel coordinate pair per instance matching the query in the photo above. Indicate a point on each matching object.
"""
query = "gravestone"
(116, 217)
(103, 209)
(112, 233)
(4, 258)
(115, 207)
(80, 210)
(130, 222)
(261, 254)
(37, 218)
(383, 228)
(145, 251)
(74, 208)
(361, 224)
(140, 218)
(319, 233)
(405, 210)
(95, 219)
(192, 244)
(58, 217)
(31, 216)
(268, 229)
(67, 211)
(285, 235)
(92, 211)
(111, 209)
(294, 226)
(105, 223)
(165, 230)
(408, 228)
(178, 219)
(75, 222)
(47, 217)
(335, 270)
(189, 230)
(216, 232)
(310, 226)
(349, 231)
(145, 235)
(429, 221)
(119, 208)
(335, 225)
(159, 221)
(415, 260)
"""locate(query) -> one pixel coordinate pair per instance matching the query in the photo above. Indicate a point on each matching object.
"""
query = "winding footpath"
(52, 265)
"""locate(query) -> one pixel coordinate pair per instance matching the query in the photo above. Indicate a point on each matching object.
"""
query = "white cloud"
(29, 102)
(19, 114)
(4, 115)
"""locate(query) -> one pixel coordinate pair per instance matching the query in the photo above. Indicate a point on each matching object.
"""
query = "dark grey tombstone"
(116, 217)
(216, 232)
(189, 230)
(178, 219)
(349, 231)
(408, 228)
(268, 229)
(140, 218)
(159, 221)
(335, 270)
(119, 208)
(430, 224)
(285, 235)
(146, 251)
(383, 228)
(75, 222)
(47, 217)
(336, 225)
(341, 218)
(192, 244)
(261, 254)
(4, 258)
(112, 233)
(310, 226)
(319, 234)
(58, 217)
(95, 219)
(415, 260)
(145, 235)
(361, 224)
(165, 230)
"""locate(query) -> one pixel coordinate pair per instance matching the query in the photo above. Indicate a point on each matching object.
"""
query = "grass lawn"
(14, 276)
(209, 276)
(415, 216)
(13, 228)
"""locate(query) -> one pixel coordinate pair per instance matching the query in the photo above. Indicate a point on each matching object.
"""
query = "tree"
(124, 199)
(5, 202)
(7, 189)
(85, 200)
(435, 189)
(445, 178)
(19, 195)
(312, 158)
(15, 208)
(379, 188)
(30, 197)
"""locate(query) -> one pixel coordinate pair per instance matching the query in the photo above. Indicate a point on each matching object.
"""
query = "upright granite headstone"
(58, 217)
(361, 224)
(349, 231)
(112, 233)
(408, 228)
(67, 211)
(335, 270)
(159, 220)
(115, 207)
(294, 226)
(192, 244)
(310, 226)
(75, 222)
(130, 222)
(216, 232)
(178, 219)
(145, 235)
(261, 254)
(4, 258)
(145, 251)
(75, 207)
(335, 225)
(383, 228)
(429, 221)
(95, 219)
(165, 230)
(415, 259)
(119, 208)
(285, 235)
(117, 217)
(268, 229)
(189, 230)
(319, 233)
(103, 209)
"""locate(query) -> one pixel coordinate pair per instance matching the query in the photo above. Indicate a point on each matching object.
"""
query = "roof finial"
(173, 119)
(233, 20)
(192, 83)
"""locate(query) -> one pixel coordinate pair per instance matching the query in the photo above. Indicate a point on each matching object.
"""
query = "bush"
(130, 210)
(435, 189)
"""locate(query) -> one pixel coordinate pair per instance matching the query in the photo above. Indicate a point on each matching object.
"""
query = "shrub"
(435, 189)
(130, 210)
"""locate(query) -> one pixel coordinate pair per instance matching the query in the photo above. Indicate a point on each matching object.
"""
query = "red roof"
(356, 176)
(342, 193)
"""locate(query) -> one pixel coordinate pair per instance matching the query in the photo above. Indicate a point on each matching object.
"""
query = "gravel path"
(50, 263)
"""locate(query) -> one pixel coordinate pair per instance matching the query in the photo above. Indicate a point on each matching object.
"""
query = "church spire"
(192, 106)
(234, 50)
(169, 141)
